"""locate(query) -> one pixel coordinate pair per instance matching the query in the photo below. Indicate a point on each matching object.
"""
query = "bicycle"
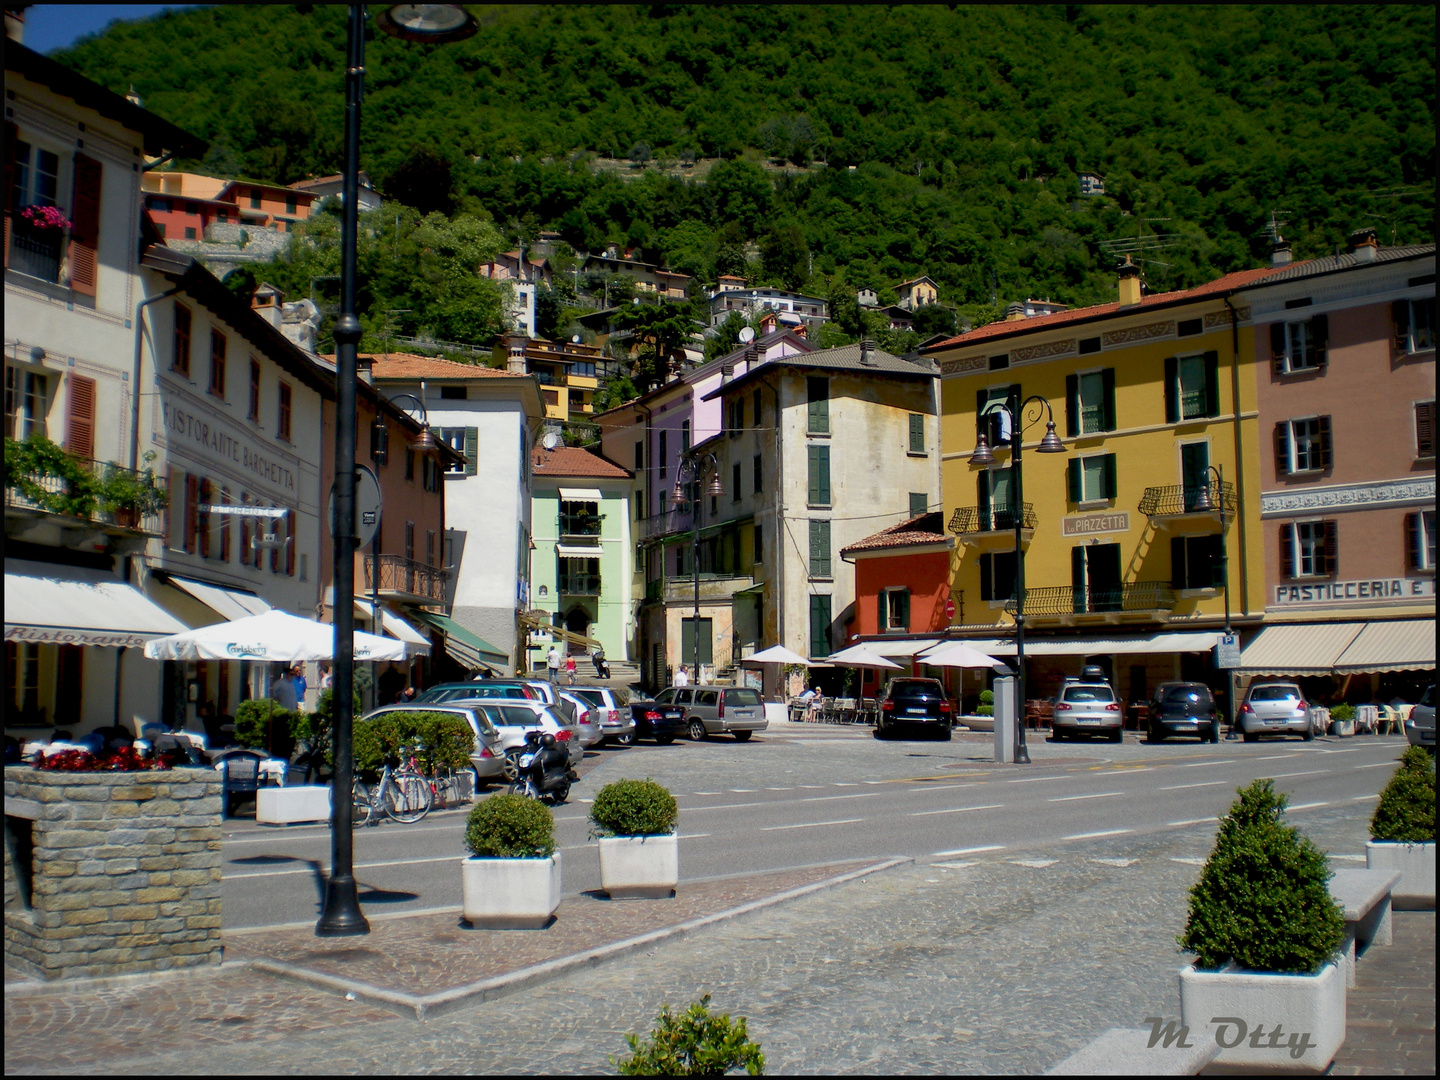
(446, 787)
(403, 793)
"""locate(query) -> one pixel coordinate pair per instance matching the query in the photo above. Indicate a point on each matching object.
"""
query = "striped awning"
(1299, 648)
(1398, 645)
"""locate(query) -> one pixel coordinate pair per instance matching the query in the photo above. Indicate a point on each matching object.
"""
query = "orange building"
(184, 205)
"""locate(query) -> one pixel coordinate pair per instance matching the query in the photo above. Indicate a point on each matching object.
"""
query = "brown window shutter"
(1412, 541)
(1287, 552)
(290, 543)
(192, 500)
(1282, 448)
(1327, 455)
(1332, 562)
(80, 417)
(244, 535)
(202, 519)
(12, 133)
(225, 527)
(85, 231)
(1425, 429)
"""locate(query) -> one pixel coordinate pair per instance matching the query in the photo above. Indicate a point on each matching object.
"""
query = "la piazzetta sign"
(1374, 590)
(1090, 524)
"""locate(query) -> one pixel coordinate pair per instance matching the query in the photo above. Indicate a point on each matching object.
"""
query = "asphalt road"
(800, 795)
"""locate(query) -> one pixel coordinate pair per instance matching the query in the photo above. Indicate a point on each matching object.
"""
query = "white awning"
(1188, 641)
(416, 643)
(1398, 645)
(70, 605)
(572, 552)
(230, 604)
(581, 494)
(900, 646)
(1300, 648)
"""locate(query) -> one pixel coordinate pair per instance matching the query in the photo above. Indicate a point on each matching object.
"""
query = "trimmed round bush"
(257, 717)
(987, 697)
(634, 808)
(510, 827)
(1343, 711)
(1406, 812)
(985, 710)
(448, 740)
(1263, 898)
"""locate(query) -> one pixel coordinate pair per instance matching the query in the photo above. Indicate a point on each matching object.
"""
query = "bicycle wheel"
(364, 806)
(408, 799)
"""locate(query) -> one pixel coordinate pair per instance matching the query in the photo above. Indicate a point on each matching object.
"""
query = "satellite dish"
(747, 335)
(550, 441)
(575, 340)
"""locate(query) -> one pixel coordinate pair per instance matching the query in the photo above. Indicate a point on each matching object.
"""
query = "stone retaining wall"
(125, 874)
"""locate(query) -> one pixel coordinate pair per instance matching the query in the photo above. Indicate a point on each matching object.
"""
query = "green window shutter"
(812, 466)
(902, 608)
(1073, 472)
(819, 626)
(917, 433)
(981, 425)
(1214, 561)
(818, 391)
(1111, 490)
(1072, 406)
(819, 475)
(919, 503)
(1172, 389)
(982, 495)
(1107, 381)
(820, 549)
(1212, 383)
(472, 450)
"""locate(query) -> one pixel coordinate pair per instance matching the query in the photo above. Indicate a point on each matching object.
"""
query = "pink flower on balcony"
(44, 218)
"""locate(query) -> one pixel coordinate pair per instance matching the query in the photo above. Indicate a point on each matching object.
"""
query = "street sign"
(367, 506)
(245, 511)
(949, 609)
(1227, 651)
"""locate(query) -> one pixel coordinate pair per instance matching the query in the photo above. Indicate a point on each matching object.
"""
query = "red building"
(184, 205)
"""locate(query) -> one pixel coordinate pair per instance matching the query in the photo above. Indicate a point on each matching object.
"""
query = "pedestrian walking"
(682, 677)
(552, 663)
(569, 669)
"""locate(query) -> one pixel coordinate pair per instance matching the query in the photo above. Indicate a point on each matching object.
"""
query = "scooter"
(544, 771)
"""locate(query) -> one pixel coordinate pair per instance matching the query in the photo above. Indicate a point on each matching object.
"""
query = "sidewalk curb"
(431, 1005)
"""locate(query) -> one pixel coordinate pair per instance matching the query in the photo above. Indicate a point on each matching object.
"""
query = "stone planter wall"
(125, 872)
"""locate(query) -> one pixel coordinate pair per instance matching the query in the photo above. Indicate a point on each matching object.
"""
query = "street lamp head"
(1051, 443)
(715, 488)
(424, 442)
(429, 24)
(982, 454)
(677, 496)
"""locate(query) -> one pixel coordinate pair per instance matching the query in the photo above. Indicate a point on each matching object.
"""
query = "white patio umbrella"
(275, 635)
(777, 654)
(959, 655)
(862, 656)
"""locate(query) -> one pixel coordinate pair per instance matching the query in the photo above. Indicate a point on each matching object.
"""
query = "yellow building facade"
(1132, 534)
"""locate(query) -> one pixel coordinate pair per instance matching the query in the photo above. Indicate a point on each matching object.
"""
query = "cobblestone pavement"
(1001, 962)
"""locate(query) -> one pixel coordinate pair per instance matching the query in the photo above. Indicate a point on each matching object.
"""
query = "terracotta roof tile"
(410, 366)
(576, 461)
(925, 529)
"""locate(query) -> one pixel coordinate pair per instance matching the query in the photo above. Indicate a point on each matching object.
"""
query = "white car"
(1274, 708)
(513, 718)
(587, 719)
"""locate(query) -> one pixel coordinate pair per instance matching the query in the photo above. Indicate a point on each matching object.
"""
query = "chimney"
(1129, 283)
(365, 369)
(1280, 251)
(15, 25)
(1364, 245)
(1015, 312)
(266, 302)
(867, 352)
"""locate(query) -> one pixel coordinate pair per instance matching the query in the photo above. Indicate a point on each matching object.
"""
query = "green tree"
(660, 334)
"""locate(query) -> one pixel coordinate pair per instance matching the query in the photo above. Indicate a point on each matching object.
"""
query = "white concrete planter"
(510, 894)
(1416, 864)
(288, 805)
(639, 866)
(1300, 1005)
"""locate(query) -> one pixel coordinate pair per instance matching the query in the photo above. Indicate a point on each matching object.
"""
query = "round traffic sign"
(949, 609)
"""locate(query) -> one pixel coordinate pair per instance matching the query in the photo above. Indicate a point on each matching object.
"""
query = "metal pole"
(342, 914)
(695, 570)
(375, 621)
(1225, 584)
(1022, 755)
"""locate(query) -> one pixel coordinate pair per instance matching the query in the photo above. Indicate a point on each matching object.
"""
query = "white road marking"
(1091, 835)
(1307, 772)
(1375, 765)
(937, 787)
(1116, 862)
(1274, 757)
(1097, 795)
(1362, 798)
(777, 789)
(1193, 821)
(692, 835)
(811, 824)
(967, 851)
(814, 787)
(954, 865)
(827, 798)
(955, 810)
(874, 781)
(1036, 779)
(1202, 764)
(1309, 805)
(1034, 864)
(709, 793)
(843, 783)
(1182, 787)
(1187, 861)
(743, 790)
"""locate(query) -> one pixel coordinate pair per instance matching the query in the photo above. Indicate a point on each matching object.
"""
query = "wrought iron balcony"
(406, 579)
(97, 492)
(35, 253)
(1178, 500)
(1133, 596)
(967, 520)
(580, 526)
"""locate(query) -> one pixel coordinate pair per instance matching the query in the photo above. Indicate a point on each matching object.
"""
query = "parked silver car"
(587, 719)
(616, 723)
(1420, 727)
(1274, 708)
(488, 756)
(513, 718)
(717, 710)
(1090, 708)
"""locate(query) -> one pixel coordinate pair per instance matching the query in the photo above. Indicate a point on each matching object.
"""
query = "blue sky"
(54, 26)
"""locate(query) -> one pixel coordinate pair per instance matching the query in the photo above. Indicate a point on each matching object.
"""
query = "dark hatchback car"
(916, 704)
(661, 721)
(1183, 708)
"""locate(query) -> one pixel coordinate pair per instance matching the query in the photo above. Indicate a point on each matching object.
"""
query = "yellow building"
(1129, 535)
(568, 372)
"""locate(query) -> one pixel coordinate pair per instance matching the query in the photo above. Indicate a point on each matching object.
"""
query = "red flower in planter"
(125, 759)
(44, 218)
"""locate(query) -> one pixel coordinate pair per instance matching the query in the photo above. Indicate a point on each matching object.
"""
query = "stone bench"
(1128, 1052)
(1365, 896)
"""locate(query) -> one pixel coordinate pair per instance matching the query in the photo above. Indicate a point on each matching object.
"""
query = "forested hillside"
(951, 139)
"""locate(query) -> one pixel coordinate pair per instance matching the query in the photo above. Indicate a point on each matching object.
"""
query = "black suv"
(918, 703)
(1183, 708)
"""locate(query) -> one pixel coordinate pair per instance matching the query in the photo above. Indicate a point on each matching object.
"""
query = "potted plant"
(1403, 831)
(639, 851)
(129, 496)
(47, 477)
(512, 879)
(1264, 930)
(1342, 718)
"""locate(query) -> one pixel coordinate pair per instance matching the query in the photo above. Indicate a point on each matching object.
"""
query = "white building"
(791, 309)
(493, 417)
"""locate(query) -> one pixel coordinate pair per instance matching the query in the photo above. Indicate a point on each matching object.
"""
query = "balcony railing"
(95, 491)
(1069, 600)
(35, 253)
(1177, 500)
(407, 578)
(580, 526)
(672, 521)
(987, 519)
(579, 585)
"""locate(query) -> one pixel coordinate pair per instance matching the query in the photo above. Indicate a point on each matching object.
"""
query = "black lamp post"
(697, 467)
(412, 22)
(1204, 503)
(1014, 408)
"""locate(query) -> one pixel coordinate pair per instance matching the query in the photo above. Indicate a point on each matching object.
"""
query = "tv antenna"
(1393, 195)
